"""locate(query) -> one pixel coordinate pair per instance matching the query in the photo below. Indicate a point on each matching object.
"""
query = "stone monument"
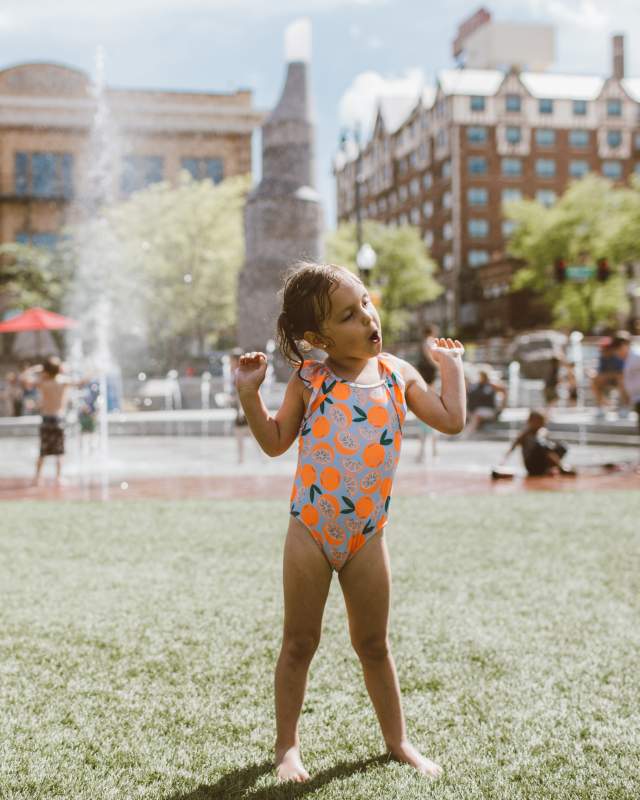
(283, 217)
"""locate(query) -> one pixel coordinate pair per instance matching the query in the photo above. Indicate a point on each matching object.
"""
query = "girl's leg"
(307, 577)
(368, 613)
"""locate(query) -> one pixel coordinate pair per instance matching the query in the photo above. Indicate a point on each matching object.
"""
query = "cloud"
(359, 102)
(19, 14)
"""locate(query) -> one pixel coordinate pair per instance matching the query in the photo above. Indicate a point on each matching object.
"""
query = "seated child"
(541, 455)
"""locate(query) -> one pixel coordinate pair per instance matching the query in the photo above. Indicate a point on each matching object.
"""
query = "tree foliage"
(403, 272)
(168, 260)
(33, 276)
(591, 220)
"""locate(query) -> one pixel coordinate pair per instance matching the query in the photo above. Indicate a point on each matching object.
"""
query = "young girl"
(347, 412)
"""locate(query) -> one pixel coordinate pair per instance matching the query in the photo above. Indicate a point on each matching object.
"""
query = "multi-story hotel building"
(447, 162)
(46, 114)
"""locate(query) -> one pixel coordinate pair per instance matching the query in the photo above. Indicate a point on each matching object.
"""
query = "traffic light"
(604, 270)
(560, 270)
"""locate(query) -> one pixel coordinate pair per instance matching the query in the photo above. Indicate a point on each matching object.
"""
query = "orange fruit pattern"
(347, 458)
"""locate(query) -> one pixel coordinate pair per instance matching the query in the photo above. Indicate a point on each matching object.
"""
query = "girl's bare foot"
(289, 766)
(408, 754)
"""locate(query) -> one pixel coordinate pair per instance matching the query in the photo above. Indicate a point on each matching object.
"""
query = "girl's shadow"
(234, 785)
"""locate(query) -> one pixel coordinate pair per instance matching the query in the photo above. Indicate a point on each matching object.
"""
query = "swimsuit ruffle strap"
(314, 374)
(396, 385)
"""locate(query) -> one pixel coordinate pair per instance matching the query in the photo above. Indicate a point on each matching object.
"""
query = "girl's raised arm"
(447, 411)
(274, 434)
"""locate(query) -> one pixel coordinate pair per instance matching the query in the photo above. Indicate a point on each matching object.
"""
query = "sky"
(360, 47)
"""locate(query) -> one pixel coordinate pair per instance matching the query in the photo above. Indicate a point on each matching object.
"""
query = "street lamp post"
(366, 260)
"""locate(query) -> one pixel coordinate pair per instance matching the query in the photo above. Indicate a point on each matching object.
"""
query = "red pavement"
(278, 486)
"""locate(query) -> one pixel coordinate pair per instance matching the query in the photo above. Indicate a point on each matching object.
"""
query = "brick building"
(46, 112)
(447, 161)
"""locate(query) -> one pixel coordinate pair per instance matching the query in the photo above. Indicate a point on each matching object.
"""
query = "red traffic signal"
(604, 270)
(560, 270)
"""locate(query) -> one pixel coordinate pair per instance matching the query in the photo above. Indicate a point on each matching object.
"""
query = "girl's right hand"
(250, 372)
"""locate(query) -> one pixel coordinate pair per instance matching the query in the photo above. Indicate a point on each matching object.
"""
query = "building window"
(513, 102)
(140, 171)
(636, 168)
(427, 209)
(614, 107)
(402, 166)
(48, 240)
(579, 138)
(44, 175)
(508, 227)
(393, 199)
(511, 167)
(447, 231)
(402, 194)
(636, 141)
(202, 168)
(513, 134)
(414, 187)
(402, 219)
(478, 228)
(545, 167)
(428, 238)
(415, 216)
(579, 108)
(441, 139)
(447, 200)
(477, 102)
(477, 134)
(614, 138)
(382, 204)
(578, 168)
(546, 197)
(476, 258)
(427, 180)
(612, 169)
(413, 159)
(509, 195)
(447, 261)
(422, 152)
(545, 106)
(477, 165)
(477, 196)
(446, 169)
(545, 137)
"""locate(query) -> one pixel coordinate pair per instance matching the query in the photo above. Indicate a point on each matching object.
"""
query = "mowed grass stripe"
(139, 640)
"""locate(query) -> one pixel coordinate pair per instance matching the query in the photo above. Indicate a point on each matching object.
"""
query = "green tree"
(403, 272)
(168, 257)
(579, 226)
(34, 276)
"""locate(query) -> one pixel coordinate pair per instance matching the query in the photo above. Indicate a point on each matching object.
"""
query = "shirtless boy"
(54, 389)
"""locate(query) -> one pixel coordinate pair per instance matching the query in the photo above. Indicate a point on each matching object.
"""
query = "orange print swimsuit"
(348, 450)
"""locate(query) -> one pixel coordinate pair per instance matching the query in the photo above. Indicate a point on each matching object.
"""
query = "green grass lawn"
(138, 642)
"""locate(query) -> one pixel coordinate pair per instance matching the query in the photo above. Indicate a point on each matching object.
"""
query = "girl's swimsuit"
(348, 450)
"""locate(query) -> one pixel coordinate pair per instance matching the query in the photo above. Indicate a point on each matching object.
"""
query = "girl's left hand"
(444, 350)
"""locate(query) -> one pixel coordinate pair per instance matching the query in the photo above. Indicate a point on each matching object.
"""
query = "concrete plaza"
(191, 466)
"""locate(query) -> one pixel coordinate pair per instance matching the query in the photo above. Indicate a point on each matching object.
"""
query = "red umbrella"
(37, 319)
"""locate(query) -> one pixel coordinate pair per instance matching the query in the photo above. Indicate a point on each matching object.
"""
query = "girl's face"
(353, 325)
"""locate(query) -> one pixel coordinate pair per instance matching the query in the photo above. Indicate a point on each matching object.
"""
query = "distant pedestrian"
(240, 425)
(631, 377)
(13, 394)
(485, 399)
(609, 375)
(428, 369)
(540, 454)
(54, 388)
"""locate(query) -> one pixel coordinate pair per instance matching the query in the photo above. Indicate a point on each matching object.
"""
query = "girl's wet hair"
(306, 303)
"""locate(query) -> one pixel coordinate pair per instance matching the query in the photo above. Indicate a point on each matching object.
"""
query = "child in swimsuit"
(347, 413)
